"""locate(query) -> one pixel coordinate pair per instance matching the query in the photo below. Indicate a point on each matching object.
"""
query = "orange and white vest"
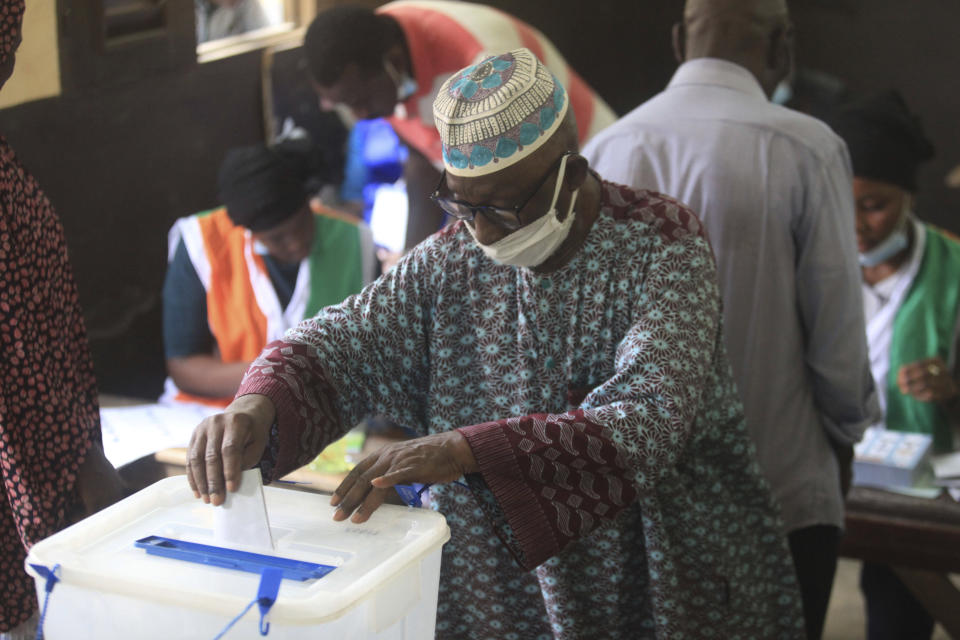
(243, 309)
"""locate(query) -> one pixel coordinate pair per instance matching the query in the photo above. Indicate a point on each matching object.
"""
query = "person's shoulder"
(633, 123)
(334, 216)
(452, 242)
(651, 212)
(803, 130)
(950, 240)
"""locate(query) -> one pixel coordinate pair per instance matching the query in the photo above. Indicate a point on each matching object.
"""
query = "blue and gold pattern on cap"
(494, 113)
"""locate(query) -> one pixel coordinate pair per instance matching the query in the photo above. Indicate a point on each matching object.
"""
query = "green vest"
(336, 263)
(923, 328)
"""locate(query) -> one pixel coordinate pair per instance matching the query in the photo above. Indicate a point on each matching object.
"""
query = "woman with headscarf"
(911, 272)
(51, 459)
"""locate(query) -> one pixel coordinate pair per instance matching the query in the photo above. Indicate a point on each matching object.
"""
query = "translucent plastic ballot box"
(150, 567)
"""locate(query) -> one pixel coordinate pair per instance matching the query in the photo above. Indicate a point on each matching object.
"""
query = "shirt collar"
(719, 73)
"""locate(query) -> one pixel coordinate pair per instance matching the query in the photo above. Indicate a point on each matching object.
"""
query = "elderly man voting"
(560, 348)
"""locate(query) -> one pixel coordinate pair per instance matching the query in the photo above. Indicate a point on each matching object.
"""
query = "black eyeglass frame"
(506, 218)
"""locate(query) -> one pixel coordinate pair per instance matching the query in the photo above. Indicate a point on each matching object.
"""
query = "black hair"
(885, 139)
(344, 35)
(262, 186)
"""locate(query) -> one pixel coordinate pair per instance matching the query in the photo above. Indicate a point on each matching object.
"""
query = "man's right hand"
(222, 446)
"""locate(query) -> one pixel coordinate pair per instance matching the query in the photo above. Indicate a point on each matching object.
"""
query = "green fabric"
(923, 328)
(336, 263)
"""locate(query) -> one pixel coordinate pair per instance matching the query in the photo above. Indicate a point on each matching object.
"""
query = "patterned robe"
(48, 396)
(618, 495)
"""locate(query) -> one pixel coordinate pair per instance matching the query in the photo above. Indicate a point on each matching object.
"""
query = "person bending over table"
(911, 300)
(560, 346)
(389, 63)
(242, 274)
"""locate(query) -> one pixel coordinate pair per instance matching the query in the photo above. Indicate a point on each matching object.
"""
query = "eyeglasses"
(506, 218)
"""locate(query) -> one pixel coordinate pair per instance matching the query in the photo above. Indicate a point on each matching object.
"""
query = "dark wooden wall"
(120, 164)
(874, 45)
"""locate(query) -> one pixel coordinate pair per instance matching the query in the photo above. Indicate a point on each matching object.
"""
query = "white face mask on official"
(894, 243)
(532, 244)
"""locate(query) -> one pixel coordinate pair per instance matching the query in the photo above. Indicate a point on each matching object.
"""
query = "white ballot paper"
(242, 518)
(133, 432)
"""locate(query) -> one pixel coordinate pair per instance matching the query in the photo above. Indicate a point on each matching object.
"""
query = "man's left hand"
(927, 380)
(440, 457)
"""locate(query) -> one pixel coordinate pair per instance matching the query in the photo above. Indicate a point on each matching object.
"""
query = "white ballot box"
(151, 566)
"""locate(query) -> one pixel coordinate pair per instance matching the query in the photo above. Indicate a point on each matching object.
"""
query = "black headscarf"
(262, 187)
(885, 139)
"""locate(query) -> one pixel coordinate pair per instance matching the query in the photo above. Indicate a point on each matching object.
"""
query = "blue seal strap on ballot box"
(412, 494)
(50, 581)
(267, 592)
(272, 569)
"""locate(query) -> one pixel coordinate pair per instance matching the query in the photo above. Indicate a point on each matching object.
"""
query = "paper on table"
(242, 518)
(133, 432)
(946, 465)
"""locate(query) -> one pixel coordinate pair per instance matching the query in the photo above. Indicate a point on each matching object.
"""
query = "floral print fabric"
(48, 397)
(618, 495)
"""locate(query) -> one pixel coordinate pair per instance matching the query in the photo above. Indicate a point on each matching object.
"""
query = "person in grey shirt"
(773, 188)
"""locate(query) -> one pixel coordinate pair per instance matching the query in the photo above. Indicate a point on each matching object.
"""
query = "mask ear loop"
(392, 72)
(560, 175)
(405, 87)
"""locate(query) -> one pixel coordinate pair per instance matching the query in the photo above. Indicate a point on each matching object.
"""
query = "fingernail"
(334, 500)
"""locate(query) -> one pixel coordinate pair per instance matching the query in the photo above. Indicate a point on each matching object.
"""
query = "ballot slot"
(235, 559)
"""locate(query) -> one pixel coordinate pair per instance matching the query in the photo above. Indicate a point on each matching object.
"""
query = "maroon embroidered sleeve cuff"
(532, 540)
(306, 416)
(555, 478)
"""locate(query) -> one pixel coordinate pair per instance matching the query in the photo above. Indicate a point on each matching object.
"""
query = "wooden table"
(174, 462)
(918, 538)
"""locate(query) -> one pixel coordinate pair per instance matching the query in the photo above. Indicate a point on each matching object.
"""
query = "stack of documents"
(889, 459)
(946, 470)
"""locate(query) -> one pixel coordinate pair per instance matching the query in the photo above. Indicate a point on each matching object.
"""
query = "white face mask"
(260, 249)
(531, 245)
(782, 94)
(406, 86)
(893, 244)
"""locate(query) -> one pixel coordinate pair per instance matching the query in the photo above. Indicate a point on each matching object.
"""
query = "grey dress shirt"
(773, 187)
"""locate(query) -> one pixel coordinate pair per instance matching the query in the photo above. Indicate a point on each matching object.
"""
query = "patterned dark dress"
(48, 397)
(618, 495)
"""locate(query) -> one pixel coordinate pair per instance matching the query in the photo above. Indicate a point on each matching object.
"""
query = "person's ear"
(679, 42)
(576, 172)
(780, 52)
(395, 57)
